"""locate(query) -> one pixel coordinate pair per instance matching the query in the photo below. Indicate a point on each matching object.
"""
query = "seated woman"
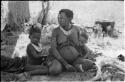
(35, 55)
(67, 50)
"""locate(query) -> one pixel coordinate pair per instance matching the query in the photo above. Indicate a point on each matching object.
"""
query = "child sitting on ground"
(35, 54)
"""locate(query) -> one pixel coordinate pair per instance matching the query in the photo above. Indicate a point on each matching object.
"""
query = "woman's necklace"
(67, 33)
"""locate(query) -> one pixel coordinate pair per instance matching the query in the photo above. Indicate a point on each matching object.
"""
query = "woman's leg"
(55, 67)
(36, 69)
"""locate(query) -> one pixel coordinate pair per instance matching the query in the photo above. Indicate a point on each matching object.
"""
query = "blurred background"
(85, 12)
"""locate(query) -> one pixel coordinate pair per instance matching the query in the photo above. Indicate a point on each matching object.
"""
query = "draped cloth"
(15, 65)
(11, 68)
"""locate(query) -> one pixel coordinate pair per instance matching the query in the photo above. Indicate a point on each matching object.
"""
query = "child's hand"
(44, 58)
(44, 52)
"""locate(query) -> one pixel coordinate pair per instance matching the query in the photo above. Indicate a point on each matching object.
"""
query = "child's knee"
(88, 64)
(85, 63)
(55, 68)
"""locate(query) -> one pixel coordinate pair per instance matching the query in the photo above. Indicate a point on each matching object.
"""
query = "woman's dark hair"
(34, 29)
(69, 13)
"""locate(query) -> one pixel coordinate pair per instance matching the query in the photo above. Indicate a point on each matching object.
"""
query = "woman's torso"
(66, 44)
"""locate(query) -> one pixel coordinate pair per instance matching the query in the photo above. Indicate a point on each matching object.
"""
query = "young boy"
(35, 55)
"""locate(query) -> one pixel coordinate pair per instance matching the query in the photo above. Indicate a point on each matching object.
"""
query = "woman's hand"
(70, 68)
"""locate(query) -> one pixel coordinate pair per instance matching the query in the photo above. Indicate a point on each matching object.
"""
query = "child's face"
(35, 38)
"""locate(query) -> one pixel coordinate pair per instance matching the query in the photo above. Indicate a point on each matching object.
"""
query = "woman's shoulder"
(76, 27)
(56, 30)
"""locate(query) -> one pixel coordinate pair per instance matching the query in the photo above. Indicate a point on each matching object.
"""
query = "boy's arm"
(54, 48)
(82, 36)
(87, 50)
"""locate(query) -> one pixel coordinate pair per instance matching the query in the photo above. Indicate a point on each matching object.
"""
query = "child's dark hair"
(69, 13)
(34, 29)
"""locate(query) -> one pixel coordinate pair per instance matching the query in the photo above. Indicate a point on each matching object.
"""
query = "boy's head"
(35, 34)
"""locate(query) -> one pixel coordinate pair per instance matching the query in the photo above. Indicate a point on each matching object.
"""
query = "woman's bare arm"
(54, 48)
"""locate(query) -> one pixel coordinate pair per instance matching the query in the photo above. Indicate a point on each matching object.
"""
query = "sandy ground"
(65, 77)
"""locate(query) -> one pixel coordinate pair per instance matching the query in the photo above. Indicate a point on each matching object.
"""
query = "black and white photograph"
(62, 40)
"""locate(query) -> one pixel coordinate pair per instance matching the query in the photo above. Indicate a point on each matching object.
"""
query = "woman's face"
(63, 20)
(35, 38)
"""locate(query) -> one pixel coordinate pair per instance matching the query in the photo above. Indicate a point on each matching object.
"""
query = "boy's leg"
(29, 67)
(86, 64)
(55, 67)
(36, 69)
(39, 71)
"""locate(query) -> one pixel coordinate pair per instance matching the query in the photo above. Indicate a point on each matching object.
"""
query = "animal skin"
(103, 60)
